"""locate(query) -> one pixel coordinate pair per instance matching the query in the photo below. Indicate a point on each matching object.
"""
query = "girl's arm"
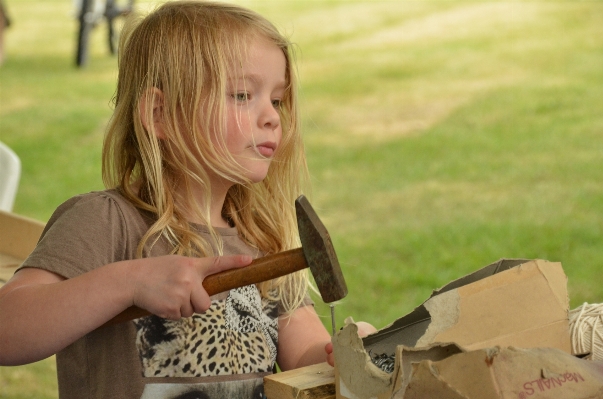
(303, 339)
(41, 312)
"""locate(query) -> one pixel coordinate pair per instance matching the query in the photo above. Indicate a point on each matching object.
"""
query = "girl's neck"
(215, 214)
(216, 205)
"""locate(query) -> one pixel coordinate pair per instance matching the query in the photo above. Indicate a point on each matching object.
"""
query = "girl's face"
(253, 125)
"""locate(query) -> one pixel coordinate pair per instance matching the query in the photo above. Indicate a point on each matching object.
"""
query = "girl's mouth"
(266, 149)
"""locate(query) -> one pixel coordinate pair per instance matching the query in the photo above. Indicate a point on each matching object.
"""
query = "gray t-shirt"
(234, 341)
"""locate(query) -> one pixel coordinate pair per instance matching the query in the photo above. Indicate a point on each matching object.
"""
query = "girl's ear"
(152, 99)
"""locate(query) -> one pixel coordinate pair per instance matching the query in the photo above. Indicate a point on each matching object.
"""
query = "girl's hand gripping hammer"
(316, 252)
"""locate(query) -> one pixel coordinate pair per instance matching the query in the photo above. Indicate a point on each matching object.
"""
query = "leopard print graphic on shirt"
(234, 336)
(245, 314)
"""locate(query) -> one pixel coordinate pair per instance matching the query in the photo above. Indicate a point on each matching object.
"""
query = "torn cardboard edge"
(446, 371)
(367, 380)
(512, 302)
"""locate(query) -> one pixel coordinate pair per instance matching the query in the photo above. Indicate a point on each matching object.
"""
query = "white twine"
(586, 329)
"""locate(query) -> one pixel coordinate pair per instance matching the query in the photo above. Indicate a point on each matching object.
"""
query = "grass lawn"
(441, 135)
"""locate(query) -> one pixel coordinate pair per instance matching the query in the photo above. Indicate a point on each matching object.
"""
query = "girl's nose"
(270, 117)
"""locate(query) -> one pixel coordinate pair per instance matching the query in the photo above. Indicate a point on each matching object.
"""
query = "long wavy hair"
(188, 50)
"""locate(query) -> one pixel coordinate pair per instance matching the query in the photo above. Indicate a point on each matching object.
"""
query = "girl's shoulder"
(104, 205)
(88, 231)
(96, 198)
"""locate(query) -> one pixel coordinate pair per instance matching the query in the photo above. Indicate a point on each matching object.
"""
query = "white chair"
(10, 173)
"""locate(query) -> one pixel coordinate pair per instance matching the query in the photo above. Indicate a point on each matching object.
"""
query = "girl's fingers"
(177, 290)
(187, 309)
(365, 329)
(330, 356)
(200, 300)
(221, 263)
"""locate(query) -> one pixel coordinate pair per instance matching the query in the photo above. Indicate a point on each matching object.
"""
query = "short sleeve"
(84, 233)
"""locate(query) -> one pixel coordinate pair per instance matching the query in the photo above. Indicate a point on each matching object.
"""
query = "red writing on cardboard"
(546, 384)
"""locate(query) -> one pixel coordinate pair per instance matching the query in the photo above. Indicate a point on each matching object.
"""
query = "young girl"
(203, 160)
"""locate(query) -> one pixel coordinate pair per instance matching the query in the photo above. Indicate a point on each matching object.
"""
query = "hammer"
(316, 252)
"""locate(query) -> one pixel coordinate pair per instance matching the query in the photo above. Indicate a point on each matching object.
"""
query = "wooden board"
(18, 237)
(8, 265)
(312, 382)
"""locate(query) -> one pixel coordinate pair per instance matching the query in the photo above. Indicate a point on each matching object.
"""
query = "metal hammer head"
(319, 253)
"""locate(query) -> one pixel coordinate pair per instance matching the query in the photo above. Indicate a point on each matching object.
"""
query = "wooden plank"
(18, 237)
(8, 265)
(312, 382)
(18, 234)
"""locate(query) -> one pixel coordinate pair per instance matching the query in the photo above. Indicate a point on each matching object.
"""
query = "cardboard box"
(508, 373)
(512, 302)
(18, 237)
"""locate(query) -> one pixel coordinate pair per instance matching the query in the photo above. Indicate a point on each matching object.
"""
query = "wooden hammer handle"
(261, 269)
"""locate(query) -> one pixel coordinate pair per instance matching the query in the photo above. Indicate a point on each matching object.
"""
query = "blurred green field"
(441, 135)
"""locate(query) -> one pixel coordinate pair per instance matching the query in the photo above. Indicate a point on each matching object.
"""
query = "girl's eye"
(277, 103)
(241, 97)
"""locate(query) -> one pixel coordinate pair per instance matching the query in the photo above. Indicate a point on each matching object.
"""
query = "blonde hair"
(188, 50)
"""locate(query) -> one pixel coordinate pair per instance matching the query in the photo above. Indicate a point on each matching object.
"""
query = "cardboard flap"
(557, 281)
(426, 383)
(408, 329)
(499, 266)
(355, 368)
(407, 357)
(518, 295)
(518, 299)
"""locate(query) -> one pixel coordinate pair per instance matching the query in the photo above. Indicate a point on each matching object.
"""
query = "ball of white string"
(586, 329)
